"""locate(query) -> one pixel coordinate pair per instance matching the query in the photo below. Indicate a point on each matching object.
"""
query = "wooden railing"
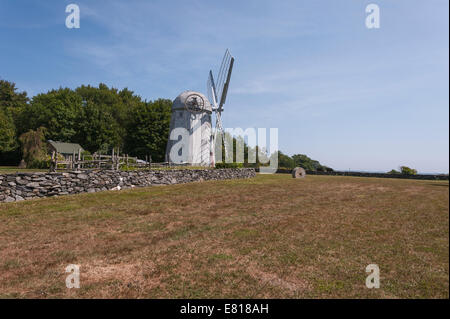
(102, 161)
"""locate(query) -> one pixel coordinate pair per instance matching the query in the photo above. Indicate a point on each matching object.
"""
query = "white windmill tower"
(191, 138)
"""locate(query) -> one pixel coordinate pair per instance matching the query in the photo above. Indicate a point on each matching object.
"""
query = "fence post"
(53, 165)
(79, 159)
(118, 159)
(112, 159)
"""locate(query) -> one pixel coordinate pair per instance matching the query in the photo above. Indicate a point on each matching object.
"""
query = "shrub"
(34, 148)
(87, 156)
(408, 171)
(229, 165)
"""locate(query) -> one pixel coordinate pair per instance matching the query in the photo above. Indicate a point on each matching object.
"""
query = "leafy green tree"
(95, 117)
(407, 171)
(12, 103)
(309, 164)
(35, 148)
(57, 110)
(97, 130)
(119, 104)
(393, 171)
(7, 133)
(10, 98)
(305, 162)
(237, 143)
(285, 161)
(148, 130)
(100, 118)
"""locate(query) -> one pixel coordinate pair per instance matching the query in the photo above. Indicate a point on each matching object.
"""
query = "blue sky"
(350, 97)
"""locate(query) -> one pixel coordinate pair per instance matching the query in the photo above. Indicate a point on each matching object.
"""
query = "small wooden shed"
(65, 149)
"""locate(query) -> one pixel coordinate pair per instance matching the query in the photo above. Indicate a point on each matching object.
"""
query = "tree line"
(99, 119)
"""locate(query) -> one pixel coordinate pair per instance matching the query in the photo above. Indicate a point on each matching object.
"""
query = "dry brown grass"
(272, 236)
(15, 169)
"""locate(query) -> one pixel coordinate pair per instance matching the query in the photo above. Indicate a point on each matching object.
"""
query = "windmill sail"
(224, 76)
(227, 83)
(217, 94)
(212, 93)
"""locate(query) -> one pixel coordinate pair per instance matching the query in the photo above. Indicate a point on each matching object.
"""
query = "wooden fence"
(100, 161)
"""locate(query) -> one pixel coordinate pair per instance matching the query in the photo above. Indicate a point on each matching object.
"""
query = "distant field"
(271, 236)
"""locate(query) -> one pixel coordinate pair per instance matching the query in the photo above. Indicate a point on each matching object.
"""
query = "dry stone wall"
(23, 186)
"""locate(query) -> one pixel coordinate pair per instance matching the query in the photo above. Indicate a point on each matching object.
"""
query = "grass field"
(14, 169)
(271, 236)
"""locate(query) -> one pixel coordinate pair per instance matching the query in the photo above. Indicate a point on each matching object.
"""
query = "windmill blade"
(227, 83)
(222, 68)
(224, 71)
(217, 94)
(221, 74)
(211, 89)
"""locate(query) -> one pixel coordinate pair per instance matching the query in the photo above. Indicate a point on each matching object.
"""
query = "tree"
(148, 130)
(393, 172)
(34, 148)
(56, 110)
(235, 144)
(305, 162)
(407, 171)
(7, 133)
(12, 103)
(100, 118)
(97, 129)
(10, 99)
(285, 161)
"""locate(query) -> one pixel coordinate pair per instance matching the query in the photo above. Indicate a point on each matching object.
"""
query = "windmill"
(192, 113)
(217, 95)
